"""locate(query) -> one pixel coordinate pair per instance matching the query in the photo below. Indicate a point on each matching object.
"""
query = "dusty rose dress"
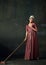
(32, 47)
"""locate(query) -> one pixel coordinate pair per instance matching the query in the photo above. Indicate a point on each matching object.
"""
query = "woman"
(32, 49)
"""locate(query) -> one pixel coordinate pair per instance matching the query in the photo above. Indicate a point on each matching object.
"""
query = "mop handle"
(13, 52)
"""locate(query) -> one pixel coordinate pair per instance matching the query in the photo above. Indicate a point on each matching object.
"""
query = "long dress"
(32, 47)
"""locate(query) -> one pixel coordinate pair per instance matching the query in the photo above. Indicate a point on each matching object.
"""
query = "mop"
(3, 62)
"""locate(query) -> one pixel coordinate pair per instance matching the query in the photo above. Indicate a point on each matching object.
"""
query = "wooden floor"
(19, 61)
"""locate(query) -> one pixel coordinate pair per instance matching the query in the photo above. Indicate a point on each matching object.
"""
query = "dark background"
(14, 16)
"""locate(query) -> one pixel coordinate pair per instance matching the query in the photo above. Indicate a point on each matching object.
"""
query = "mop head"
(2, 62)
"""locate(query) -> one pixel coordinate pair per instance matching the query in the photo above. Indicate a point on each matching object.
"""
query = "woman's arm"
(25, 36)
(34, 28)
(26, 33)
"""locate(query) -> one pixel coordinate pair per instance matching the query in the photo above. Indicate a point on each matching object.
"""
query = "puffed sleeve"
(33, 25)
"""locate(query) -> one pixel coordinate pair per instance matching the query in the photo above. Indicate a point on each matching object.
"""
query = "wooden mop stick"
(13, 52)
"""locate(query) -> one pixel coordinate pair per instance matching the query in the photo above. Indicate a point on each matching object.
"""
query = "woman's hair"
(31, 17)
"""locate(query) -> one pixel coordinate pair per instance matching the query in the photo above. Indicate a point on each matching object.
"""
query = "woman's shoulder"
(33, 23)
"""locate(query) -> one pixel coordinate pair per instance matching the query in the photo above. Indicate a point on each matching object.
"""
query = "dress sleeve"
(34, 25)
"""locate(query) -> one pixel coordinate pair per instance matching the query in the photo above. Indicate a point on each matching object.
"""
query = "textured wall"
(14, 16)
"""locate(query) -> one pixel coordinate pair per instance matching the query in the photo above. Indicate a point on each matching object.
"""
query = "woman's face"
(31, 20)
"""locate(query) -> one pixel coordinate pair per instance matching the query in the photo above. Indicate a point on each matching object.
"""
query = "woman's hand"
(35, 27)
(25, 39)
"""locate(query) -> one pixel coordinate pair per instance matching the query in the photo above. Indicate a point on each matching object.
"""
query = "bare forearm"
(25, 36)
(35, 29)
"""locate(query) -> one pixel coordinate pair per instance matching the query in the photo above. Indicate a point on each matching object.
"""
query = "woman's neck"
(30, 22)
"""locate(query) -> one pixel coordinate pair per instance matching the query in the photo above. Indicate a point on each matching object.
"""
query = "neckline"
(28, 26)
